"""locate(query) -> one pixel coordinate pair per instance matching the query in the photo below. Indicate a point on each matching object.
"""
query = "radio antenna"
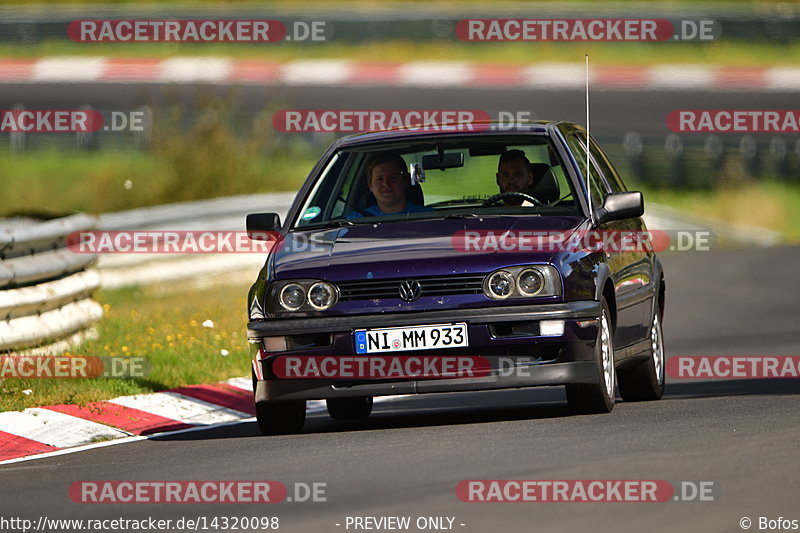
(588, 183)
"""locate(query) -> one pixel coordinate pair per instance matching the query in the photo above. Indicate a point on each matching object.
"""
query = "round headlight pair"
(320, 296)
(501, 284)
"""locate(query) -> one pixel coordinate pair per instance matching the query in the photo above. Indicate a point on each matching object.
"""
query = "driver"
(514, 174)
(387, 180)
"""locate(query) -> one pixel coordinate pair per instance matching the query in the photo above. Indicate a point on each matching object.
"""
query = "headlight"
(321, 296)
(524, 281)
(301, 295)
(292, 297)
(530, 282)
(500, 285)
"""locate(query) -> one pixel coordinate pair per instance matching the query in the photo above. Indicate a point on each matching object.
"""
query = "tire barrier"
(45, 289)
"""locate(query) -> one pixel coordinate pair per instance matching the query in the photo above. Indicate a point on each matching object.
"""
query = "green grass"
(731, 194)
(55, 181)
(769, 204)
(730, 53)
(164, 327)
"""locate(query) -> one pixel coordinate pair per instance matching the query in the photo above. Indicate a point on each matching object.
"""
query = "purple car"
(443, 261)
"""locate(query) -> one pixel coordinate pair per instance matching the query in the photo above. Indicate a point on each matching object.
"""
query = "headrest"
(545, 186)
(413, 194)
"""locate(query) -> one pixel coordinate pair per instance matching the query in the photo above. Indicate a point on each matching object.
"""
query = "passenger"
(388, 180)
(514, 174)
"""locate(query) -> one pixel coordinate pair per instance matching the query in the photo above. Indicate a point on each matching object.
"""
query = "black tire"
(279, 418)
(598, 397)
(645, 381)
(349, 408)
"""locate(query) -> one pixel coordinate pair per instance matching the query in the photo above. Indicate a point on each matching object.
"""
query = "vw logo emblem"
(410, 290)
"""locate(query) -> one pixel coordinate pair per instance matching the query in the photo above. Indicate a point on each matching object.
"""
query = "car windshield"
(441, 178)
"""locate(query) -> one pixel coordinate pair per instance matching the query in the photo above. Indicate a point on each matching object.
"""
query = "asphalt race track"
(407, 459)
(614, 112)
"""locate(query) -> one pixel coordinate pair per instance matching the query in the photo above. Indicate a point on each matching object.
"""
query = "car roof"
(484, 129)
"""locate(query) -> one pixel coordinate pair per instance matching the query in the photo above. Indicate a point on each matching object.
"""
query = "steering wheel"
(503, 195)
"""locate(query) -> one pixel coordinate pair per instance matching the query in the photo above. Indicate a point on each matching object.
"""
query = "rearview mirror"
(451, 160)
(259, 224)
(619, 206)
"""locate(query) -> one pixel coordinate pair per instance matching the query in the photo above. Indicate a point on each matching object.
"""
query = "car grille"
(370, 289)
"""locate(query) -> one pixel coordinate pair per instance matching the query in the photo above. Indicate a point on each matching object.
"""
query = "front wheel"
(645, 381)
(598, 397)
(349, 408)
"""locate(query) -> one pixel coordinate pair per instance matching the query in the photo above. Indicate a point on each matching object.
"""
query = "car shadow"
(734, 387)
(485, 407)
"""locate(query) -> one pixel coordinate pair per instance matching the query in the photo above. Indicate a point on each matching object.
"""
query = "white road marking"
(180, 408)
(555, 76)
(783, 78)
(434, 74)
(681, 77)
(69, 69)
(54, 428)
(315, 72)
(194, 69)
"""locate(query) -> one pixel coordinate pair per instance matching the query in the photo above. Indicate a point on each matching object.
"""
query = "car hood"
(408, 248)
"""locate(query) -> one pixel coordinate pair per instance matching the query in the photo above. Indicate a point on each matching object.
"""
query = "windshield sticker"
(311, 213)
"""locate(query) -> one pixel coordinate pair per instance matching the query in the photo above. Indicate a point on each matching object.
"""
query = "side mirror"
(259, 224)
(619, 206)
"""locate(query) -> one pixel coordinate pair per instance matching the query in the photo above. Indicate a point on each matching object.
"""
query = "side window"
(596, 185)
(606, 167)
(318, 208)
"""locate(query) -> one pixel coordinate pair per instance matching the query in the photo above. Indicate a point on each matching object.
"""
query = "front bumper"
(519, 359)
(580, 310)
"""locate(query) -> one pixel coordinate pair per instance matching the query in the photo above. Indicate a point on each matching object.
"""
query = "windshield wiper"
(461, 215)
(338, 223)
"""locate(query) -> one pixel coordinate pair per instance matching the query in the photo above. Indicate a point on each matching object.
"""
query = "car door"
(626, 267)
(633, 281)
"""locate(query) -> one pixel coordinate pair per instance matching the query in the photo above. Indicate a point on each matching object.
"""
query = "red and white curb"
(338, 72)
(49, 430)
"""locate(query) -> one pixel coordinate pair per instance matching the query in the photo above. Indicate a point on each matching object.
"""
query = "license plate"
(411, 338)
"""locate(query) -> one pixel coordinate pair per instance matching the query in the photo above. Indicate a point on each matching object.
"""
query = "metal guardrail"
(45, 289)
(763, 22)
(219, 214)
